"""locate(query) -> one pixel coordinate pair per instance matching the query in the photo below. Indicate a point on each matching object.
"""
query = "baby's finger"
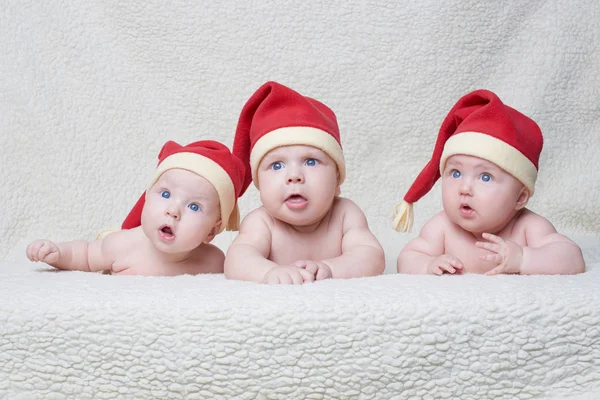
(322, 274)
(34, 250)
(29, 253)
(296, 277)
(312, 268)
(495, 271)
(285, 279)
(492, 238)
(43, 251)
(447, 258)
(306, 276)
(448, 268)
(437, 270)
(270, 279)
(493, 247)
(455, 262)
(299, 264)
(496, 258)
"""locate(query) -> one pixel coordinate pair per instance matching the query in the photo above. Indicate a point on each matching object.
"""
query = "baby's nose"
(295, 177)
(465, 187)
(172, 212)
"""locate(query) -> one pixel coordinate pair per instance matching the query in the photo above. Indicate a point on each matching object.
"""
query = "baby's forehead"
(194, 184)
(470, 161)
(299, 150)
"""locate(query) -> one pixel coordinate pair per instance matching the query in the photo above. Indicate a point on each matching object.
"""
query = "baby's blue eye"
(276, 166)
(194, 207)
(456, 174)
(311, 162)
(486, 177)
(166, 194)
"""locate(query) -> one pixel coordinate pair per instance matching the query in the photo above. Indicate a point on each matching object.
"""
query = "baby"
(192, 198)
(304, 231)
(487, 156)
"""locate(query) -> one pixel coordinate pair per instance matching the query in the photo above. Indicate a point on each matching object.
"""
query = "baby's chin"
(301, 219)
(470, 225)
(177, 248)
(480, 228)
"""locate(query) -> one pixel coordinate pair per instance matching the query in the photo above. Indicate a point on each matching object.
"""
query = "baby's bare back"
(321, 242)
(134, 254)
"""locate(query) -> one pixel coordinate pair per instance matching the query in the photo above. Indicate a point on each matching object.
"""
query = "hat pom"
(234, 220)
(403, 216)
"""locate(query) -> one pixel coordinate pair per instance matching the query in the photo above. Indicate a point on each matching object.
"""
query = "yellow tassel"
(234, 220)
(403, 216)
(105, 232)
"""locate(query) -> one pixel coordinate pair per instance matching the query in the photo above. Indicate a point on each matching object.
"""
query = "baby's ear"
(213, 232)
(523, 198)
(338, 190)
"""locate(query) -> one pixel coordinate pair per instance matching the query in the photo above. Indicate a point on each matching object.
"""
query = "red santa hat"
(278, 116)
(478, 125)
(209, 159)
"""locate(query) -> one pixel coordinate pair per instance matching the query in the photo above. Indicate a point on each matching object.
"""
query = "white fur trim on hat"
(494, 150)
(297, 135)
(209, 170)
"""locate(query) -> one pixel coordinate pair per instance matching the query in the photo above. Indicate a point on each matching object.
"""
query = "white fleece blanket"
(83, 335)
(89, 91)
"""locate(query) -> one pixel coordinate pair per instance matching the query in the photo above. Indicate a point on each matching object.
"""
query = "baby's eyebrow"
(313, 155)
(273, 157)
(486, 167)
(198, 196)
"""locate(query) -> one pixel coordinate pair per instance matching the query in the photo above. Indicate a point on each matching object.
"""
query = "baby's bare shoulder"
(347, 214)
(210, 257)
(121, 242)
(260, 216)
(534, 226)
(343, 206)
(439, 223)
(530, 221)
(431, 237)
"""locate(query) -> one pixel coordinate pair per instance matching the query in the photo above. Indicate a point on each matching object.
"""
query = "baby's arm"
(362, 255)
(549, 252)
(77, 255)
(425, 253)
(247, 257)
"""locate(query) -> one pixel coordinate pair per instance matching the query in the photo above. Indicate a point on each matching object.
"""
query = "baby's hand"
(445, 263)
(43, 250)
(319, 269)
(288, 274)
(508, 255)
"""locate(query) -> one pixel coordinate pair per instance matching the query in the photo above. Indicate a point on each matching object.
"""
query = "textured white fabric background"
(89, 91)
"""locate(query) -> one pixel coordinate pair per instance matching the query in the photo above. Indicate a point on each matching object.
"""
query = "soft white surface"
(83, 335)
(89, 91)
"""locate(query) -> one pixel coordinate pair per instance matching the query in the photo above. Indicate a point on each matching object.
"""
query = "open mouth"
(296, 201)
(466, 210)
(166, 233)
(295, 198)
